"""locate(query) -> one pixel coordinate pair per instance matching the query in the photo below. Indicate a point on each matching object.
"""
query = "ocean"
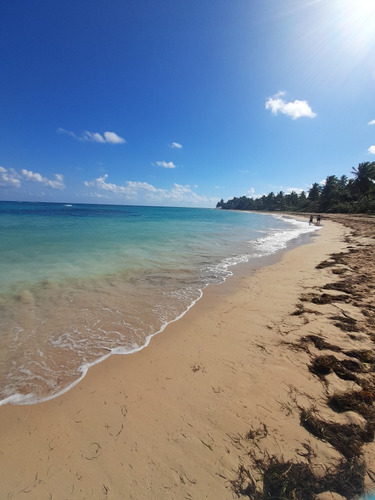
(83, 282)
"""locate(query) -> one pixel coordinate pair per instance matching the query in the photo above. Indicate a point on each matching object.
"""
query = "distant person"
(311, 220)
(318, 219)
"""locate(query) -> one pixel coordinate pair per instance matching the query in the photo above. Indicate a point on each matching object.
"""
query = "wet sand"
(237, 380)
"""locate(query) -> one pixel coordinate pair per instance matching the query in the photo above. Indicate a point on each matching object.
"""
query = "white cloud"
(92, 137)
(86, 136)
(9, 178)
(372, 122)
(56, 183)
(294, 190)
(175, 145)
(66, 132)
(165, 164)
(143, 192)
(371, 150)
(113, 138)
(129, 190)
(252, 194)
(294, 109)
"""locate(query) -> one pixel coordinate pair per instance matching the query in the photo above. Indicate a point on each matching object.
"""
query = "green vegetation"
(356, 195)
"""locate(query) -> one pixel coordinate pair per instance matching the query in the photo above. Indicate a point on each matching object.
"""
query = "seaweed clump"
(335, 258)
(326, 298)
(323, 365)
(366, 355)
(358, 401)
(346, 323)
(291, 481)
(340, 286)
(347, 439)
(320, 343)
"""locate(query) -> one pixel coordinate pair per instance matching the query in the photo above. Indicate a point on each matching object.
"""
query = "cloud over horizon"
(371, 150)
(294, 109)
(136, 191)
(175, 145)
(56, 183)
(86, 136)
(11, 178)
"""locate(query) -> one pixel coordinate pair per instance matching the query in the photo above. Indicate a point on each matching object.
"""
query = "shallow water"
(82, 282)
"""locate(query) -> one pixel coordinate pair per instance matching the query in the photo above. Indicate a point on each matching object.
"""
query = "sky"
(182, 103)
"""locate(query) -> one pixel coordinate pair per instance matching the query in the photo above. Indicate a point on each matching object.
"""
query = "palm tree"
(314, 196)
(364, 177)
(364, 186)
(330, 193)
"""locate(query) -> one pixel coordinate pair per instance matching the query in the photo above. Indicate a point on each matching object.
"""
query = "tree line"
(336, 195)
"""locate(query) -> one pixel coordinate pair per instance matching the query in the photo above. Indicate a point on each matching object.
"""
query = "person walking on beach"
(311, 220)
(318, 220)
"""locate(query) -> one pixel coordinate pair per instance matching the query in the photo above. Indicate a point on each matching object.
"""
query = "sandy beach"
(245, 381)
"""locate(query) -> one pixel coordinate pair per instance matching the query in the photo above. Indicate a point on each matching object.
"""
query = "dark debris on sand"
(290, 480)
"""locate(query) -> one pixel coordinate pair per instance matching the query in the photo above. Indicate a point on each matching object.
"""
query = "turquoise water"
(82, 282)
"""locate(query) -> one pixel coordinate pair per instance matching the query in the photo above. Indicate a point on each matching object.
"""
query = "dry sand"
(217, 390)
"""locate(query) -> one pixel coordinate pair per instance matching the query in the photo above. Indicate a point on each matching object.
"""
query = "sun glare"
(366, 7)
(357, 21)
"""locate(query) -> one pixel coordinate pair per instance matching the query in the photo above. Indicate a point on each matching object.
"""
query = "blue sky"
(182, 103)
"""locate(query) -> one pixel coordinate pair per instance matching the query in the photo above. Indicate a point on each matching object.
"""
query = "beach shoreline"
(170, 421)
(55, 326)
